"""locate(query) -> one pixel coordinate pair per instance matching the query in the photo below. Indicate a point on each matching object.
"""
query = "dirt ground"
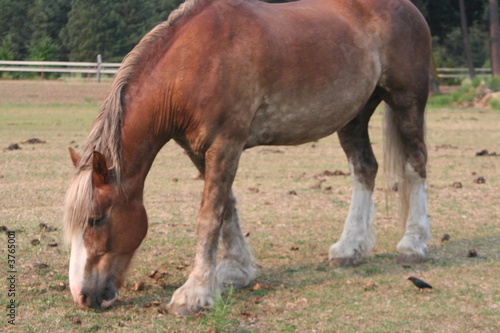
(290, 215)
(43, 92)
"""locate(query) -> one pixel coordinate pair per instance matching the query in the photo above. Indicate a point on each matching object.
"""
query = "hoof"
(233, 275)
(345, 262)
(190, 299)
(410, 259)
(182, 310)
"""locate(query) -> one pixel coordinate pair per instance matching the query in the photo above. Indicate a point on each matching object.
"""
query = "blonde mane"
(105, 135)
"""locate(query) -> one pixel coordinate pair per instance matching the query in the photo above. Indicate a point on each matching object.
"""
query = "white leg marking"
(77, 266)
(198, 293)
(237, 267)
(201, 288)
(359, 234)
(412, 246)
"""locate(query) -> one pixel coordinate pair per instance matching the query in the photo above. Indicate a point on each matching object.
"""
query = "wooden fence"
(99, 67)
(444, 73)
(96, 68)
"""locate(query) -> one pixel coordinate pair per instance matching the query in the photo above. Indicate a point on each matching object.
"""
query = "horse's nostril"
(85, 300)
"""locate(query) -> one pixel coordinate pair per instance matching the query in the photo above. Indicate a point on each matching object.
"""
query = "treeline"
(78, 30)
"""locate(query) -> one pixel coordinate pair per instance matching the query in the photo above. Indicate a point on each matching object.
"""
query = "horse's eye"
(95, 222)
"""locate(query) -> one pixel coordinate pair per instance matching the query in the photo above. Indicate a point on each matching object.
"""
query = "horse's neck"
(140, 145)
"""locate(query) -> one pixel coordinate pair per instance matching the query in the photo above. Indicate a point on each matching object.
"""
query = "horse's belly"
(289, 125)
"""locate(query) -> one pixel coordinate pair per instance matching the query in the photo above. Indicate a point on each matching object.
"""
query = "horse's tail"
(394, 163)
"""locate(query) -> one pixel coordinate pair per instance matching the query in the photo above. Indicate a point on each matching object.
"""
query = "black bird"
(419, 283)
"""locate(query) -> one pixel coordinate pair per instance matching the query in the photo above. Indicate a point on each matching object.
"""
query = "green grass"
(301, 292)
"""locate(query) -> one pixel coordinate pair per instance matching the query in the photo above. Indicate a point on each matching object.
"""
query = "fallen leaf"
(480, 180)
(472, 253)
(138, 286)
(156, 274)
(40, 265)
(13, 146)
(253, 189)
(75, 321)
(162, 310)
(446, 237)
(256, 286)
(34, 140)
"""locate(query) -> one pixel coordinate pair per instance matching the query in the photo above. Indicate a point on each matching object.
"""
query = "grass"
(290, 234)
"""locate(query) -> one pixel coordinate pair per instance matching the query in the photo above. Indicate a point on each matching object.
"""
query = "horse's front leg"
(202, 287)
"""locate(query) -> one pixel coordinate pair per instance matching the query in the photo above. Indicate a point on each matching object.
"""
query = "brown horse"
(221, 76)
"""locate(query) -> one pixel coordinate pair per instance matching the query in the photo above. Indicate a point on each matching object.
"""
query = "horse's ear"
(100, 173)
(75, 157)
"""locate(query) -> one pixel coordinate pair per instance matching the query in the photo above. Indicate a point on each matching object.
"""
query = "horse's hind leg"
(237, 267)
(406, 158)
(358, 236)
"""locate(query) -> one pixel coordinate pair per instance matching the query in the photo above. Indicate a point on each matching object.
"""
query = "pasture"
(291, 212)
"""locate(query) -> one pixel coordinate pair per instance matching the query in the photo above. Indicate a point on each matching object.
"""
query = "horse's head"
(105, 228)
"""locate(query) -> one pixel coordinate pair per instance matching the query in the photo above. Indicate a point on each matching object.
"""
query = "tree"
(94, 27)
(14, 27)
(465, 34)
(494, 37)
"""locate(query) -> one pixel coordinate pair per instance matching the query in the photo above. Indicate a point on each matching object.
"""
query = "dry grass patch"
(290, 221)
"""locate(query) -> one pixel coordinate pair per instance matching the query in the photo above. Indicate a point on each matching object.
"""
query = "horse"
(222, 76)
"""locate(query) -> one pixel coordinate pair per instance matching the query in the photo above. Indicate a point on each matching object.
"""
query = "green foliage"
(78, 30)
(44, 50)
(495, 104)
(217, 318)
(469, 91)
(93, 28)
(439, 101)
(7, 50)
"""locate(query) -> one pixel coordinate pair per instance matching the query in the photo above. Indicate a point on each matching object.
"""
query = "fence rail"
(444, 73)
(99, 67)
(96, 68)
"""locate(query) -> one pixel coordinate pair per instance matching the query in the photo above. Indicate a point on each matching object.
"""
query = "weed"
(217, 319)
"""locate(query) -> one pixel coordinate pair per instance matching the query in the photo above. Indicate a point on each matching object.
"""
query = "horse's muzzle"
(102, 299)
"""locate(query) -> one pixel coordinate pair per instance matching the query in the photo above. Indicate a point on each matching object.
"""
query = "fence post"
(99, 64)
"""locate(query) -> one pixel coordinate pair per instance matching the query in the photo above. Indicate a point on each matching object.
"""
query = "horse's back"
(300, 70)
